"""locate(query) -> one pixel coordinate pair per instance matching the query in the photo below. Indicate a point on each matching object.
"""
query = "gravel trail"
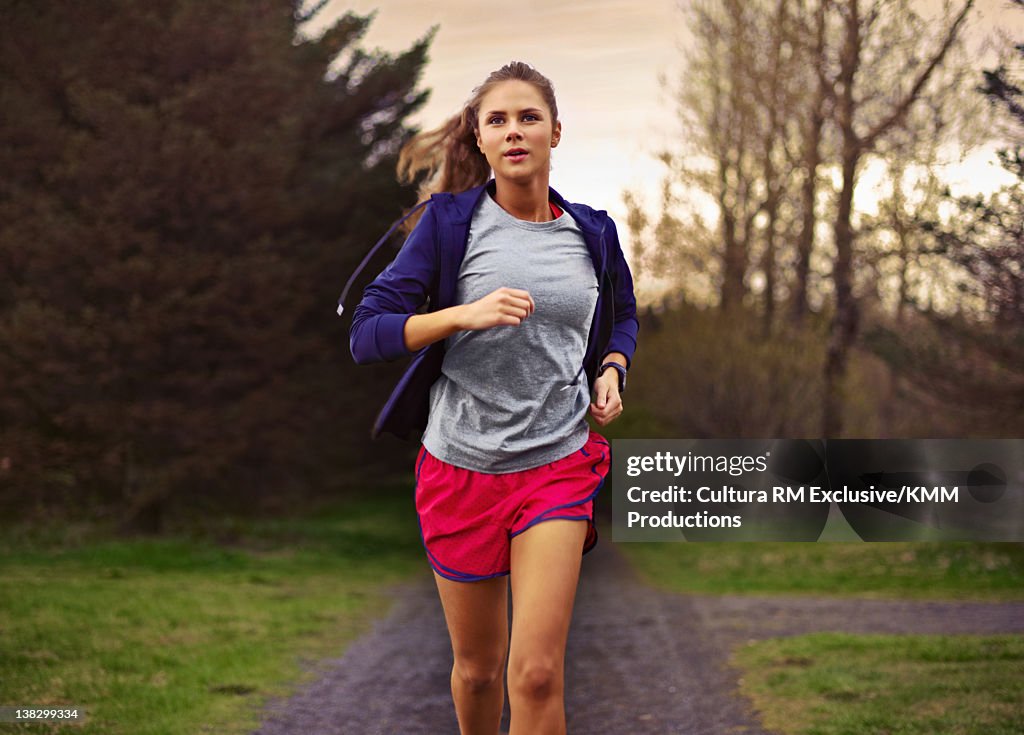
(639, 661)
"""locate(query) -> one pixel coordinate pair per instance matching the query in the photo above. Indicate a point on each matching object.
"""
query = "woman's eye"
(494, 120)
(530, 115)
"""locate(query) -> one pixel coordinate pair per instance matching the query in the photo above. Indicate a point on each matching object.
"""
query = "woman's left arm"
(607, 405)
(624, 331)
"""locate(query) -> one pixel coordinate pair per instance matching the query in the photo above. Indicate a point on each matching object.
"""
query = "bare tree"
(812, 50)
(722, 107)
(860, 30)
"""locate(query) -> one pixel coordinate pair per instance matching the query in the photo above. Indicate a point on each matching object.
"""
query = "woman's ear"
(556, 134)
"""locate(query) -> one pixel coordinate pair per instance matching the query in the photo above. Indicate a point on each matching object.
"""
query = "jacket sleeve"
(624, 332)
(378, 322)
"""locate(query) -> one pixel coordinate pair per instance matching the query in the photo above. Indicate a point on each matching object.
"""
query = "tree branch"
(901, 109)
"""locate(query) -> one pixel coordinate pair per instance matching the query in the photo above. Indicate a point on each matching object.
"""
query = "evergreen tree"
(186, 186)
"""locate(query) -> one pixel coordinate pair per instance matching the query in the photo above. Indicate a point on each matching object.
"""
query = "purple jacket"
(426, 270)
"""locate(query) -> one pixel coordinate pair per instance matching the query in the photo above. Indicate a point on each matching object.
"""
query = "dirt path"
(639, 661)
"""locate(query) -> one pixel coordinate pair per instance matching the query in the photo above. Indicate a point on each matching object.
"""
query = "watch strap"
(619, 369)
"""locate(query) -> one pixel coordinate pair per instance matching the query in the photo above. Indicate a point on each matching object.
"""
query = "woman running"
(531, 322)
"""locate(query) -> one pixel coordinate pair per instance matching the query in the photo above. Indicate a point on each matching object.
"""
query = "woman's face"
(514, 118)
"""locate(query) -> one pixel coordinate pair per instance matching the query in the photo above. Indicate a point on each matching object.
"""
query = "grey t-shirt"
(511, 398)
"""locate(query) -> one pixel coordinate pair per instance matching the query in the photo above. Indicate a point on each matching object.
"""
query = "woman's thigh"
(545, 571)
(477, 618)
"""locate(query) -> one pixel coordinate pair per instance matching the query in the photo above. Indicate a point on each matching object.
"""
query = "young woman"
(531, 314)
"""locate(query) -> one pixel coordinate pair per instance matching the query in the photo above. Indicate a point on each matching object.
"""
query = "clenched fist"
(607, 403)
(503, 306)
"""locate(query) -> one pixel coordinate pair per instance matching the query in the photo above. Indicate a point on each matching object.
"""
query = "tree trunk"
(844, 321)
(812, 159)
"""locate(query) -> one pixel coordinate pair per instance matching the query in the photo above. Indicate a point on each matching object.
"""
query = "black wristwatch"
(619, 369)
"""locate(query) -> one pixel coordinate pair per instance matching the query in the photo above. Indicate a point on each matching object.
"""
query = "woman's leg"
(545, 570)
(477, 617)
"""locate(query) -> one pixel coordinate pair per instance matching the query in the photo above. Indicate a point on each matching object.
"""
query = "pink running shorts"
(468, 518)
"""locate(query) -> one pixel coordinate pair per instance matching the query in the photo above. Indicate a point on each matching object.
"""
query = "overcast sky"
(604, 58)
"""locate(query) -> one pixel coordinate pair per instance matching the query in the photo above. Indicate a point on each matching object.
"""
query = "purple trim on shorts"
(454, 574)
(544, 516)
(597, 440)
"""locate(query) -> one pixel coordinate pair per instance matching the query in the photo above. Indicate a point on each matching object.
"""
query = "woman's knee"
(537, 678)
(479, 673)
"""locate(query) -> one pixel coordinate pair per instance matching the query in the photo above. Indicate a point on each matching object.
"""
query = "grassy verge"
(962, 570)
(843, 684)
(191, 635)
(835, 684)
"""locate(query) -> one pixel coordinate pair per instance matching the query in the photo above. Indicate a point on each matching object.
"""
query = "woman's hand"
(503, 306)
(607, 405)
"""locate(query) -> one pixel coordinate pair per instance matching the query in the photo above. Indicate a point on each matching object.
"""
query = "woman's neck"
(527, 201)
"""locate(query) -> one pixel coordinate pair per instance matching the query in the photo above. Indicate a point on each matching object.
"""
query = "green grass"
(962, 570)
(191, 634)
(842, 684)
(187, 634)
(837, 684)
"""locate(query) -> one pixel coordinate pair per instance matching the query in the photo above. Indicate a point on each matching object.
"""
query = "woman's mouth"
(516, 154)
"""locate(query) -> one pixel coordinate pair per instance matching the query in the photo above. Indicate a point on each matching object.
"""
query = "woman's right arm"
(424, 329)
(384, 323)
(503, 306)
(378, 322)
